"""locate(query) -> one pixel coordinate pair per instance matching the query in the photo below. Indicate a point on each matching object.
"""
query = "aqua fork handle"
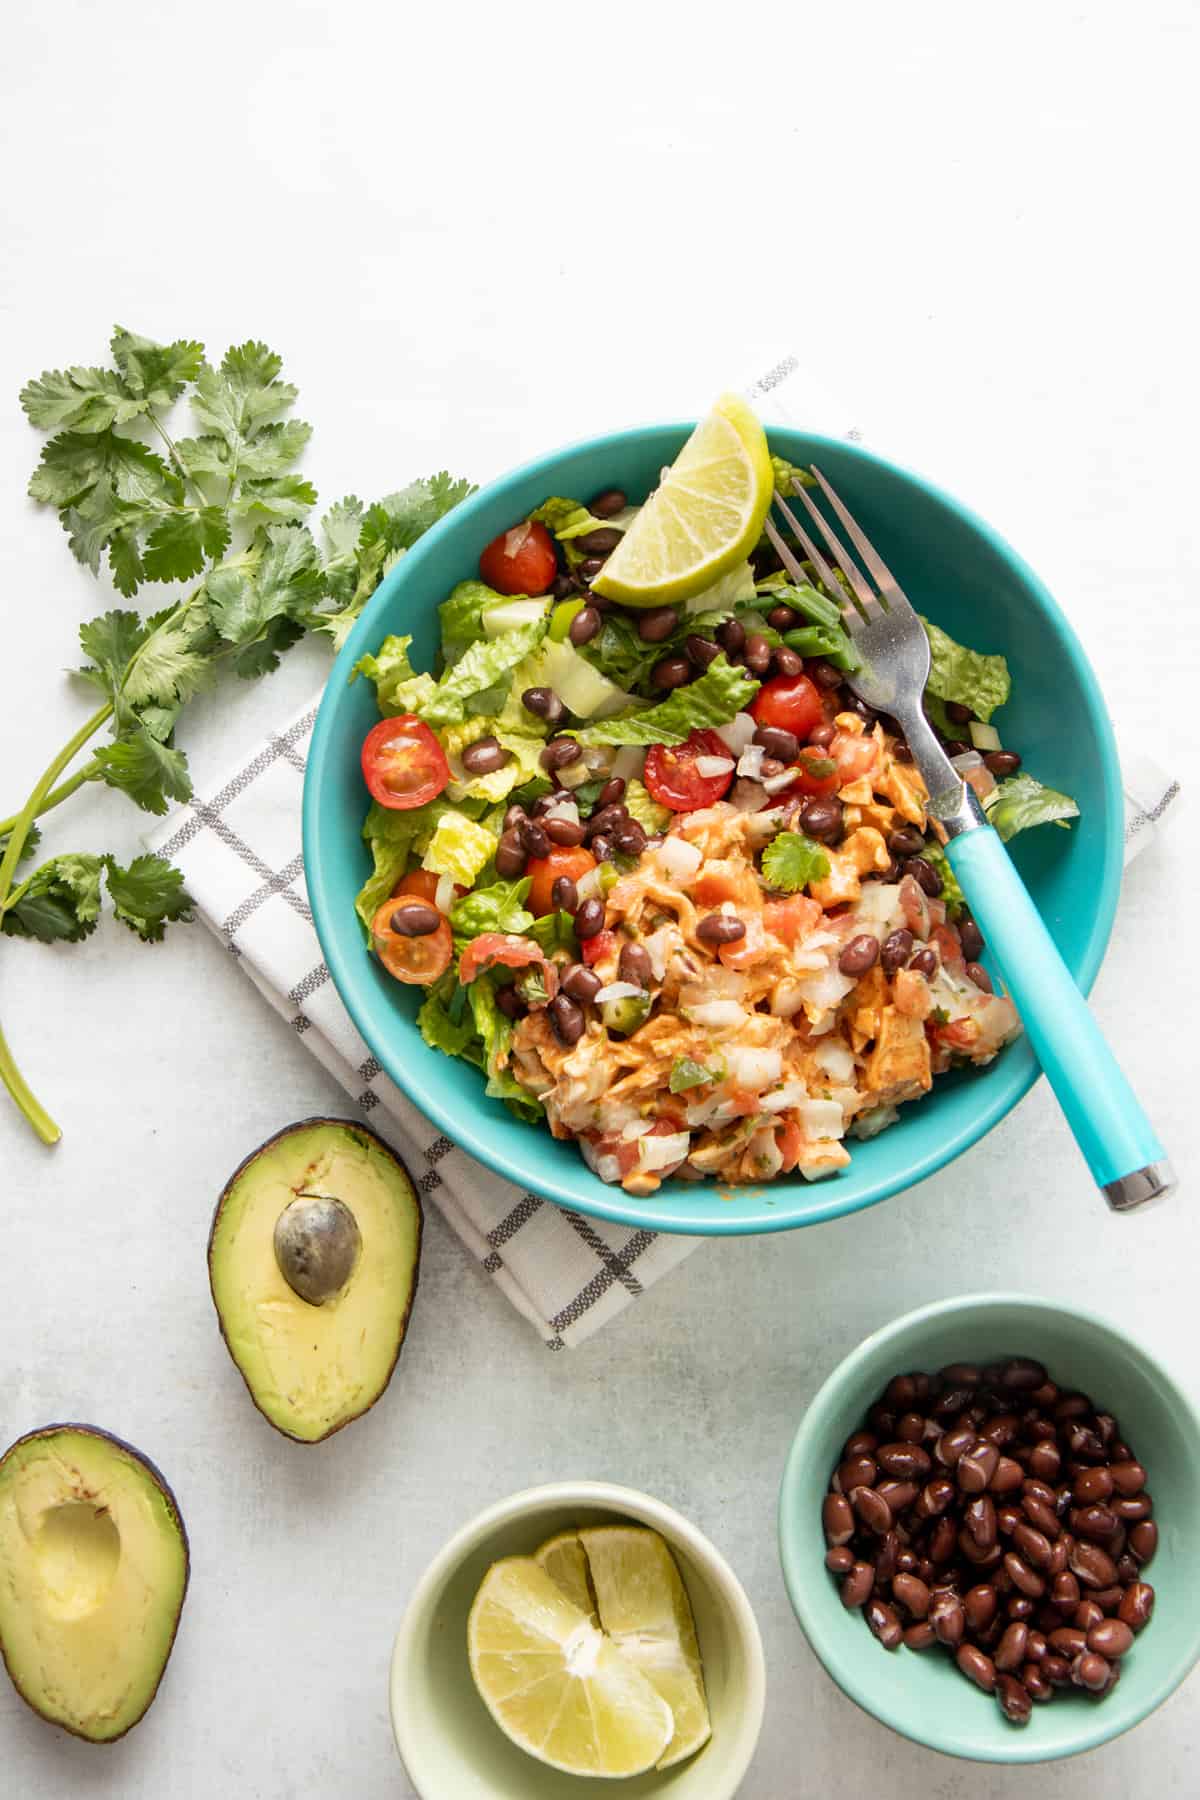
(1117, 1139)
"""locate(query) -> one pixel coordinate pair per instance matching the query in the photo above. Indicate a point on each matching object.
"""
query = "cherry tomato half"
(416, 960)
(403, 764)
(816, 774)
(520, 561)
(498, 947)
(674, 780)
(791, 702)
(573, 861)
(423, 884)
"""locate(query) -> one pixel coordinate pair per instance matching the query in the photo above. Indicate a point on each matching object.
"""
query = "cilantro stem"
(31, 808)
(25, 1098)
(168, 440)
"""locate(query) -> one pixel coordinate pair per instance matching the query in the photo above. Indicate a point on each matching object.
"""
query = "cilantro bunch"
(222, 511)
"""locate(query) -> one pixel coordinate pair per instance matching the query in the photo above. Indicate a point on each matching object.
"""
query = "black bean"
(860, 954)
(534, 840)
(957, 713)
(510, 1002)
(979, 975)
(581, 983)
(956, 747)
(600, 542)
(584, 625)
(513, 816)
(567, 832)
(824, 673)
(612, 792)
(657, 623)
(566, 1016)
(777, 742)
(785, 661)
(510, 856)
(758, 653)
(823, 820)
(906, 840)
(1002, 763)
(559, 753)
(925, 875)
(925, 962)
(821, 736)
(671, 672)
(897, 948)
(541, 806)
(782, 618)
(972, 939)
(415, 919)
(629, 838)
(606, 819)
(544, 703)
(590, 567)
(701, 651)
(601, 846)
(865, 712)
(720, 928)
(564, 894)
(589, 919)
(605, 505)
(485, 755)
(633, 965)
(731, 636)
(564, 586)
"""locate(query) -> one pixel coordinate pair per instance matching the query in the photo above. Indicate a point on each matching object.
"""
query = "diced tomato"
(815, 774)
(572, 861)
(959, 1034)
(415, 960)
(792, 918)
(626, 1149)
(914, 904)
(501, 947)
(422, 884)
(403, 764)
(854, 755)
(520, 561)
(981, 779)
(792, 702)
(790, 1140)
(674, 780)
(595, 949)
(948, 944)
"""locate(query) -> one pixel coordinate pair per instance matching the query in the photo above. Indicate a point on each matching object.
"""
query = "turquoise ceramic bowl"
(923, 1695)
(959, 572)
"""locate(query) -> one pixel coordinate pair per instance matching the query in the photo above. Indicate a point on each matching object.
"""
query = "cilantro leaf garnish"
(791, 860)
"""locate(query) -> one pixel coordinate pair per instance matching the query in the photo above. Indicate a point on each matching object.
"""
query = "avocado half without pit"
(312, 1260)
(93, 1572)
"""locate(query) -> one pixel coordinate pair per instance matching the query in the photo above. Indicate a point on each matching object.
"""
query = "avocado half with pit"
(93, 1571)
(312, 1260)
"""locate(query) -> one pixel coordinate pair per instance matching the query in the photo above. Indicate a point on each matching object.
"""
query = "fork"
(1120, 1146)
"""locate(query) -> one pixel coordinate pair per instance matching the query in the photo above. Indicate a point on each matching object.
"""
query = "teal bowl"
(959, 572)
(923, 1696)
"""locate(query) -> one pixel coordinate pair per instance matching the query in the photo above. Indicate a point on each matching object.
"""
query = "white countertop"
(474, 233)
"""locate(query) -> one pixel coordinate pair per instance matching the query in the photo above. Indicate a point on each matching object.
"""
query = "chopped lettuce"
(459, 847)
(395, 835)
(480, 680)
(566, 518)
(792, 860)
(398, 687)
(499, 907)
(498, 783)
(952, 894)
(652, 817)
(620, 652)
(555, 931)
(446, 1021)
(461, 616)
(712, 699)
(1021, 801)
(967, 677)
(495, 1038)
(724, 596)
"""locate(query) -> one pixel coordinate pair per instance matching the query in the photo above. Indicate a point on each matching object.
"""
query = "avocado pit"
(317, 1246)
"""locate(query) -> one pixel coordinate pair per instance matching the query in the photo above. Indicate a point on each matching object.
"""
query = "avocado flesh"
(93, 1571)
(312, 1369)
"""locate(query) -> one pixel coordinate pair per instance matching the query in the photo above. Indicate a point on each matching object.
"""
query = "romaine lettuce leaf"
(461, 614)
(496, 908)
(495, 1038)
(952, 893)
(498, 783)
(966, 676)
(649, 814)
(396, 837)
(458, 846)
(447, 1022)
(712, 699)
(1021, 801)
(482, 675)
(565, 518)
(398, 687)
(555, 931)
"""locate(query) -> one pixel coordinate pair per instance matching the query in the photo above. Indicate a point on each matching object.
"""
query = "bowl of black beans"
(990, 1529)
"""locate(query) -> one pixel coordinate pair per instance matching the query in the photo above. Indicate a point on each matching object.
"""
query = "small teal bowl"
(959, 572)
(922, 1695)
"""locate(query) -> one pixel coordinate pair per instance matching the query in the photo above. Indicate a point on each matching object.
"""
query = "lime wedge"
(645, 1611)
(555, 1684)
(704, 518)
(564, 1561)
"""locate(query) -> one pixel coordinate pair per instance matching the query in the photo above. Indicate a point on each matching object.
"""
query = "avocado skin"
(168, 1493)
(357, 1129)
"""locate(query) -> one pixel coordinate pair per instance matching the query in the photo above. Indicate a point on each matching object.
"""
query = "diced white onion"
(775, 784)
(970, 759)
(879, 903)
(984, 737)
(738, 732)
(790, 1094)
(826, 987)
(661, 1152)
(606, 1167)
(768, 1157)
(617, 990)
(629, 761)
(656, 947)
(588, 886)
(575, 774)
(515, 538)
(678, 858)
(716, 1015)
(821, 1119)
(753, 1069)
(700, 1112)
(870, 1124)
(443, 897)
(719, 983)
(786, 999)
(750, 762)
(712, 766)
(562, 809)
(635, 1129)
(837, 1060)
(598, 757)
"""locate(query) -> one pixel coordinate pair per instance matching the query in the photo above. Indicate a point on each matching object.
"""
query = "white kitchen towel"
(239, 850)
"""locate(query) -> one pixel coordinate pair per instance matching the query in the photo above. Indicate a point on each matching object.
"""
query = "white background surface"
(475, 233)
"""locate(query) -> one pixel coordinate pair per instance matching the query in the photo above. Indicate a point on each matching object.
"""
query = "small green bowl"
(923, 1696)
(452, 1747)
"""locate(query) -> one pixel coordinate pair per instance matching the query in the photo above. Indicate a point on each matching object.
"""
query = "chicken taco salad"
(659, 874)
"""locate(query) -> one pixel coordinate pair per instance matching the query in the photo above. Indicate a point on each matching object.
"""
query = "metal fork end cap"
(1153, 1182)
